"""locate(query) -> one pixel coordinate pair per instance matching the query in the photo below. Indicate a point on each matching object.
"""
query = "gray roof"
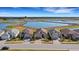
(25, 34)
(1, 31)
(53, 34)
(39, 34)
(5, 36)
(13, 32)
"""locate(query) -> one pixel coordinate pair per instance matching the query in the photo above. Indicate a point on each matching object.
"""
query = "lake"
(3, 25)
(43, 24)
(47, 24)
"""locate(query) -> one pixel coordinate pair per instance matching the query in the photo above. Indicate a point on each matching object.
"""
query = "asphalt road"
(55, 46)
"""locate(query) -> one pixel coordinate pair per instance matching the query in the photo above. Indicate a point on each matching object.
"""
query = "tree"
(25, 17)
(4, 19)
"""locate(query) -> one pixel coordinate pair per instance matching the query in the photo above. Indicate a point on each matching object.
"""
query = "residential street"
(54, 46)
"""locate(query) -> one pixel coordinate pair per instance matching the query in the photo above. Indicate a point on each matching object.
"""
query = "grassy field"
(72, 26)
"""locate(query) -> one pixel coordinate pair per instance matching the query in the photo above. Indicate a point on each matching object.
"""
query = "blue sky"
(40, 11)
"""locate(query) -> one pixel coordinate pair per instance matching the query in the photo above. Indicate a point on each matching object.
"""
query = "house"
(8, 35)
(13, 33)
(39, 34)
(72, 34)
(1, 33)
(65, 33)
(5, 36)
(25, 35)
(53, 34)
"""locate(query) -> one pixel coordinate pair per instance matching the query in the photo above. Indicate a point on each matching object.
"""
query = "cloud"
(60, 10)
(4, 13)
(8, 14)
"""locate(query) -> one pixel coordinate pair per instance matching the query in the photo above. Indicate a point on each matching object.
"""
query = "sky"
(39, 11)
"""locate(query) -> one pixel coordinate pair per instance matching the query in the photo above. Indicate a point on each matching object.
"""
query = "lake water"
(65, 21)
(3, 25)
(50, 23)
(43, 24)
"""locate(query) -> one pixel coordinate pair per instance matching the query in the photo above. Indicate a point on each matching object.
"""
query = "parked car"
(5, 48)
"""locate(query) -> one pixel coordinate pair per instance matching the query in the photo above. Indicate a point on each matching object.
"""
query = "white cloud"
(2, 14)
(59, 10)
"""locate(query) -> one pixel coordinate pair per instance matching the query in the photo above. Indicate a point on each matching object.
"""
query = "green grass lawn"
(59, 28)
